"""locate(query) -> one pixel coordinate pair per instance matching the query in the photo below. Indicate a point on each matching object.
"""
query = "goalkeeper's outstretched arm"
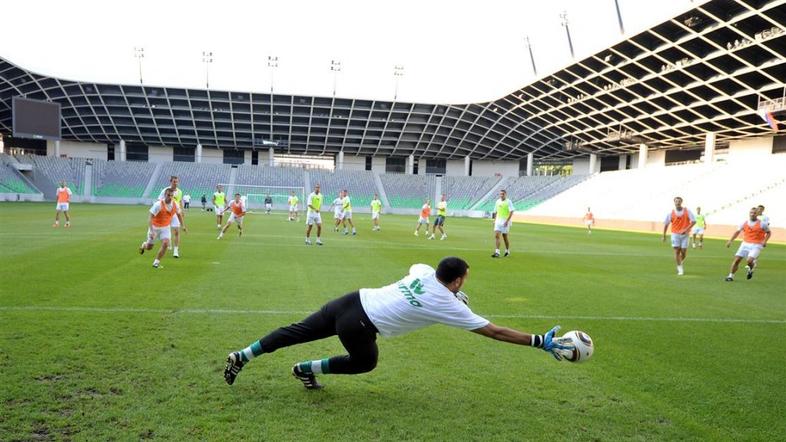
(546, 342)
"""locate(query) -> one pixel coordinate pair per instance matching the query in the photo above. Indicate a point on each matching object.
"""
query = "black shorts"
(440, 221)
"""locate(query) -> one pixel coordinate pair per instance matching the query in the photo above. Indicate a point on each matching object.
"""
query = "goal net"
(254, 195)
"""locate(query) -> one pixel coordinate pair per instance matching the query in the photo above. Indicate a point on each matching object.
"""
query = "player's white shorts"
(698, 230)
(347, 214)
(268, 206)
(175, 222)
(219, 210)
(293, 208)
(337, 214)
(313, 218)
(679, 240)
(374, 215)
(235, 219)
(161, 233)
(422, 220)
(749, 250)
(588, 222)
(499, 226)
(63, 207)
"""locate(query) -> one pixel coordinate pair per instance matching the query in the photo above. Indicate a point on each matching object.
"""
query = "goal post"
(255, 194)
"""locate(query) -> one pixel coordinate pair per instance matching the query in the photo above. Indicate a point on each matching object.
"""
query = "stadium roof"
(703, 71)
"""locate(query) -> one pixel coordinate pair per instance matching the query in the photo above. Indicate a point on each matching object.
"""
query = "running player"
(439, 222)
(158, 225)
(681, 220)
(238, 211)
(314, 203)
(219, 202)
(589, 220)
(376, 209)
(503, 212)
(421, 298)
(425, 212)
(177, 195)
(292, 201)
(268, 204)
(346, 213)
(764, 218)
(698, 229)
(63, 194)
(755, 234)
(338, 207)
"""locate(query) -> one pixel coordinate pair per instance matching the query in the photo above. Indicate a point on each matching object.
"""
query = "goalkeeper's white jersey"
(416, 301)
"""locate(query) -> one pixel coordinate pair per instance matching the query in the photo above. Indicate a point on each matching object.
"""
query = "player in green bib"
(177, 196)
(376, 209)
(439, 222)
(503, 212)
(219, 202)
(314, 203)
(698, 229)
(346, 213)
(292, 201)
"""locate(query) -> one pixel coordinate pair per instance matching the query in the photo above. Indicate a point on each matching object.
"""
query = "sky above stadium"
(452, 51)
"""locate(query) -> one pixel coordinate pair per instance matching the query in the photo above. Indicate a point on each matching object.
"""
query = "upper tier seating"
(54, 169)
(10, 182)
(121, 178)
(408, 191)
(359, 183)
(464, 191)
(519, 188)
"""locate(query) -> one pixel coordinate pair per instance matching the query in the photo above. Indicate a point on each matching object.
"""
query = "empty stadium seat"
(359, 183)
(408, 191)
(126, 179)
(463, 192)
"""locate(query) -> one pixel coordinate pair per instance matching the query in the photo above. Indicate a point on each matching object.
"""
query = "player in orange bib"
(161, 214)
(425, 212)
(63, 200)
(681, 220)
(238, 211)
(755, 234)
(589, 220)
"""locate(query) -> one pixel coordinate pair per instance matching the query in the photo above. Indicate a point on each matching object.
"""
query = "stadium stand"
(359, 183)
(464, 191)
(126, 179)
(269, 176)
(10, 182)
(408, 191)
(48, 171)
(518, 189)
(196, 179)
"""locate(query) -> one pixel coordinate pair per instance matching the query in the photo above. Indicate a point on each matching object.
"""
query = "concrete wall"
(214, 156)
(634, 160)
(455, 167)
(354, 162)
(78, 150)
(157, 154)
(490, 168)
(656, 158)
(247, 157)
(378, 164)
(581, 166)
(750, 150)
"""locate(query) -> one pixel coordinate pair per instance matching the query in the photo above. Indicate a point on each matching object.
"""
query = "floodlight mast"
(398, 72)
(531, 57)
(207, 59)
(272, 63)
(139, 54)
(619, 17)
(335, 66)
(564, 18)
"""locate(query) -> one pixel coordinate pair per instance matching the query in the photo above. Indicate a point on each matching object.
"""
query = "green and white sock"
(314, 367)
(251, 351)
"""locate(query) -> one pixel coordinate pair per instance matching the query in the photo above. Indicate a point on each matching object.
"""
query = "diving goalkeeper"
(422, 298)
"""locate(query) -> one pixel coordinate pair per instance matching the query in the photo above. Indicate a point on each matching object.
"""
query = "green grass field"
(96, 344)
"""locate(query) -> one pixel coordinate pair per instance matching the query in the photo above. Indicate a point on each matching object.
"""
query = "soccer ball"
(583, 344)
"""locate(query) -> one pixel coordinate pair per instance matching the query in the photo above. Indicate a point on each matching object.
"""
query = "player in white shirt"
(219, 202)
(237, 211)
(292, 202)
(63, 195)
(419, 299)
(338, 208)
(160, 218)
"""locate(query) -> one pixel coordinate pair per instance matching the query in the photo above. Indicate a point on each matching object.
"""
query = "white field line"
(211, 311)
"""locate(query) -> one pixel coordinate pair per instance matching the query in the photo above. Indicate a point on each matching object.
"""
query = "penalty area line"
(303, 312)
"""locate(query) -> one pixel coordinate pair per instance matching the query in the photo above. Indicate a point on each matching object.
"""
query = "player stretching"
(219, 202)
(292, 201)
(439, 222)
(346, 213)
(681, 220)
(63, 201)
(698, 229)
(161, 214)
(755, 234)
(589, 220)
(338, 207)
(268, 205)
(238, 211)
(376, 209)
(503, 212)
(425, 212)
(313, 216)
(420, 299)
(177, 195)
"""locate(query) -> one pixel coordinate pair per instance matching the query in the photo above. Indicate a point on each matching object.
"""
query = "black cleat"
(507, 253)
(234, 365)
(495, 255)
(729, 279)
(749, 269)
(309, 380)
(142, 249)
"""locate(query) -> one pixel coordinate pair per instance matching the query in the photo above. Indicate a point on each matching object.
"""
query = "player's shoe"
(693, 245)
(67, 225)
(354, 233)
(239, 233)
(495, 255)
(335, 229)
(157, 265)
(55, 225)
(234, 365)
(319, 242)
(175, 254)
(749, 269)
(729, 279)
(142, 248)
(309, 380)
(220, 235)
(443, 237)
(431, 237)
(308, 242)
(416, 233)
(680, 271)
(507, 252)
